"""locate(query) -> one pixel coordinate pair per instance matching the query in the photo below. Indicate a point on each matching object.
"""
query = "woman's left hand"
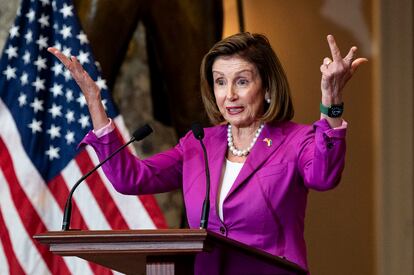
(336, 72)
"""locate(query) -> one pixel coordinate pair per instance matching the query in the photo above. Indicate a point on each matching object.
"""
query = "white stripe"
(26, 253)
(32, 183)
(28, 176)
(78, 266)
(84, 198)
(131, 208)
(4, 265)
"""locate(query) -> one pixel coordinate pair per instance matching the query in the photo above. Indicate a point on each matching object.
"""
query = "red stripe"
(153, 210)
(149, 202)
(14, 265)
(31, 220)
(60, 191)
(102, 196)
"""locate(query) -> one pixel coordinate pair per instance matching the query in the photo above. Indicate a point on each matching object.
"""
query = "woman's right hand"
(89, 88)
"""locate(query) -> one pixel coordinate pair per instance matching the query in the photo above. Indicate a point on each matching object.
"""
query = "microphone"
(198, 133)
(138, 135)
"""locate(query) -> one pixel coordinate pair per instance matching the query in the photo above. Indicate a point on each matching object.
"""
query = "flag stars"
(58, 46)
(37, 105)
(10, 72)
(69, 95)
(14, 32)
(40, 63)
(42, 42)
(30, 15)
(24, 78)
(22, 99)
(44, 21)
(36, 126)
(83, 39)
(81, 100)
(101, 83)
(70, 116)
(55, 110)
(66, 10)
(82, 57)
(66, 31)
(52, 152)
(67, 51)
(70, 137)
(57, 69)
(54, 131)
(57, 90)
(67, 75)
(28, 36)
(26, 57)
(39, 84)
(11, 52)
(84, 121)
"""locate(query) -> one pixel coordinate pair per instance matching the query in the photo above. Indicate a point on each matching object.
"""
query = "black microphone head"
(142, 132)
(197, 130)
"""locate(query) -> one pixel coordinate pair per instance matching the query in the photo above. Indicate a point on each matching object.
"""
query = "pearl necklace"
(245, 152)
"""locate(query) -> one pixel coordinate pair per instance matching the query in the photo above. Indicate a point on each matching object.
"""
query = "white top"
(231, 170)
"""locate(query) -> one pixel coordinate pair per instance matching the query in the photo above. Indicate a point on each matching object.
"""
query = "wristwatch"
(333, 110)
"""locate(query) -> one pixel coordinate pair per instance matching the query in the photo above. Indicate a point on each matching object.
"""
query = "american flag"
(43, 116)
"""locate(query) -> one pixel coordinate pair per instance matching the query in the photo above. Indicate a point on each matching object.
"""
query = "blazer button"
(222, 230)
(330, 145)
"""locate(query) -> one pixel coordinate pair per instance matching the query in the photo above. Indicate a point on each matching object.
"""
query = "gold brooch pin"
(268, 142)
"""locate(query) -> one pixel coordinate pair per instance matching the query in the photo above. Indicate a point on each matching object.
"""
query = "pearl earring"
(267, 97)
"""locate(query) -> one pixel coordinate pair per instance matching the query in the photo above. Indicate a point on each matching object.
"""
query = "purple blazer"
(265, 207)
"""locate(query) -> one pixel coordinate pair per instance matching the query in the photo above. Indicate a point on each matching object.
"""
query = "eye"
(220, 81)
(242, 82)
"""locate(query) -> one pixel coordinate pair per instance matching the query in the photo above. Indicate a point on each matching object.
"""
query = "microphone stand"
(137, 135)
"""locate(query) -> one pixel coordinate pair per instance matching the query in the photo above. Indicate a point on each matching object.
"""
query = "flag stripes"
(102, 196)
(7, 255)
(36, 197)
(43, 116)
(29, 217)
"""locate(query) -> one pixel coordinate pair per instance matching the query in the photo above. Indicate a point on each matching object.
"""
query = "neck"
(242, 136)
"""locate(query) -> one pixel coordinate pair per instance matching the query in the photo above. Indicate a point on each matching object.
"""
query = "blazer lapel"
(216, 147)
(269, 140)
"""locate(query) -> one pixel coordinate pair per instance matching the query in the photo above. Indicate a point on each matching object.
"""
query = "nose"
(231, 94)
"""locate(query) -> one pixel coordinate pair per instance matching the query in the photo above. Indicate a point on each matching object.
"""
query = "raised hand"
(336, 72)
(82, 78)
(89, 88)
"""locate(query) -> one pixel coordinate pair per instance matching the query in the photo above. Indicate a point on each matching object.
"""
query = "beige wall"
(340, 223)
(366, 225)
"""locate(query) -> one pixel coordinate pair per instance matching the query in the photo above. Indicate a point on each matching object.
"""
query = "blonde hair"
(256, 49)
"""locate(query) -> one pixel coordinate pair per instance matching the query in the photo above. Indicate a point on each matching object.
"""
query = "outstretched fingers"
(59, 55)
(351, 61)
(357, 62)
(335, 52)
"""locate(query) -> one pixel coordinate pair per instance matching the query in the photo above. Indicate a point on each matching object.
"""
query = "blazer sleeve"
(132, 175)
(322, 156)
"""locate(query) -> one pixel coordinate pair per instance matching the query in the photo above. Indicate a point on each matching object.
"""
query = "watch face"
(335, 111)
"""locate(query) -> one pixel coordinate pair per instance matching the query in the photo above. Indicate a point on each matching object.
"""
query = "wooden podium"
(168, 251)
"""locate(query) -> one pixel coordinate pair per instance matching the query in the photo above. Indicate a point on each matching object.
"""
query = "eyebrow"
(238, 72)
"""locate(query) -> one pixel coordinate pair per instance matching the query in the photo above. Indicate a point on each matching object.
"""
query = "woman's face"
(238, 90)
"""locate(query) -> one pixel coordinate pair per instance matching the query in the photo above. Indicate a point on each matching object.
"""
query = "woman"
(262, 164)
